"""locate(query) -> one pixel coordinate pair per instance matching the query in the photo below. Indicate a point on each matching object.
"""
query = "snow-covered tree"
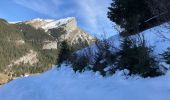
(137, 58)
(166, 56)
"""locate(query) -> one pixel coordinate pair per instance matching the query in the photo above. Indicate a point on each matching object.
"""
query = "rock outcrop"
(63, 29)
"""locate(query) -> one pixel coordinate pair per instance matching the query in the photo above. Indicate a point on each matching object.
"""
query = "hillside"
(25, 49)
(118, 86)
(20, 49)
(118, 53)
(156, 37)
(64, 29)
(43, 57)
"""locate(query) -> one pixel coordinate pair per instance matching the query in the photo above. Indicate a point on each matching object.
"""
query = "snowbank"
(64, 84)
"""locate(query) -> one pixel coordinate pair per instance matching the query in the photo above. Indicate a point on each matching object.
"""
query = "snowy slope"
(155, 37)
(64, 84)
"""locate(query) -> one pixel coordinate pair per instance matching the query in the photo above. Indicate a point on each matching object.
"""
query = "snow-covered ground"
(64, 84)
(157, 37)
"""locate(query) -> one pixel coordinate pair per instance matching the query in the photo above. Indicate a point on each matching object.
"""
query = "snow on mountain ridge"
(47, 24)
(68, 28)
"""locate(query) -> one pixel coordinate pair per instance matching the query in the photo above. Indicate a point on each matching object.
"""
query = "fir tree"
(166, 56)
(129, 14)
(64, 53)
(138, 59)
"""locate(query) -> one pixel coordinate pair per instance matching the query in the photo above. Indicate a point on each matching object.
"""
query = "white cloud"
(40, 6)
(96, 14)
(89, 13)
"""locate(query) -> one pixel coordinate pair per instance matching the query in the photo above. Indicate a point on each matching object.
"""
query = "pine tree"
(129, 14)
(79, 62)
(138, 58)
(166, 56)
(160, 9)
(64, 53)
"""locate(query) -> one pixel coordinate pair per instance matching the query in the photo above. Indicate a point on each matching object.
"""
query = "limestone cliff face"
(63, 29)
(69, 23)
(32, 50)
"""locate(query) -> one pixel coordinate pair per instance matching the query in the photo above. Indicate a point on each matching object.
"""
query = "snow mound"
(64, 84)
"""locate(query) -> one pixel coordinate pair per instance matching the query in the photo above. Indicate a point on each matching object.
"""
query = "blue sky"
(91, 14)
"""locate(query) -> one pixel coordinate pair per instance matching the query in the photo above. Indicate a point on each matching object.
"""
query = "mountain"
(53, 84)
(63, 29)
(32, 47)
(104, 56)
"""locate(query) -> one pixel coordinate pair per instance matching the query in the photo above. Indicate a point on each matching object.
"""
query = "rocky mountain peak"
(69, 23)
(63, 29)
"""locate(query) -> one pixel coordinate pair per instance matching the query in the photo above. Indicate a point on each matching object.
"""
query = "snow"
(64, 84)
(15, 22)
(52, 23)
(157, 37)
(47, 24)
